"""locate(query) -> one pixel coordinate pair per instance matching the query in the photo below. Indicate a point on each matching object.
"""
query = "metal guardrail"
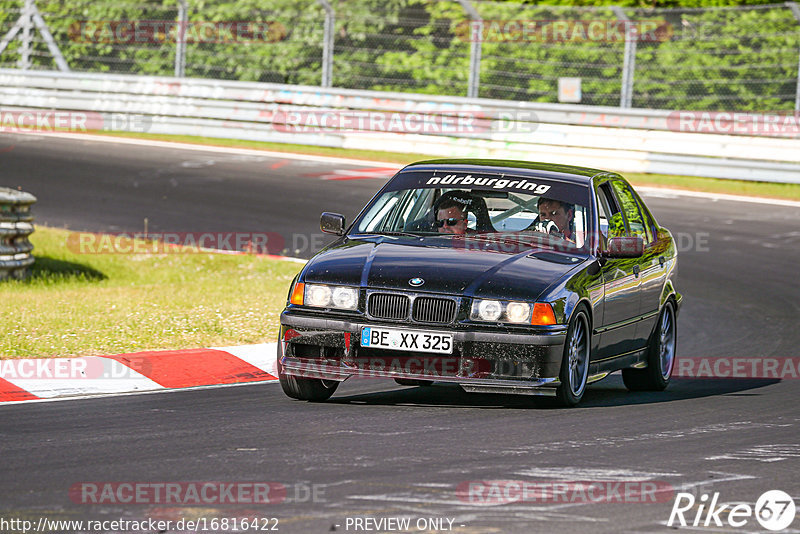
(16, 224)
(625, 140)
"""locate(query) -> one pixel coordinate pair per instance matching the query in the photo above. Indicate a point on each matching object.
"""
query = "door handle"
(636, 271)
(661, 260)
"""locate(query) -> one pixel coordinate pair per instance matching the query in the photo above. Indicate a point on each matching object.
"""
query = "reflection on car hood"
(380, 263)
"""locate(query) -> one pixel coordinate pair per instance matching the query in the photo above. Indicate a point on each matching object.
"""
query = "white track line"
(664, 192)
(213, 148)
(131, 393)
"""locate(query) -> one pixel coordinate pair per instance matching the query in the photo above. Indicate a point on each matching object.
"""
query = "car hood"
(452, 270)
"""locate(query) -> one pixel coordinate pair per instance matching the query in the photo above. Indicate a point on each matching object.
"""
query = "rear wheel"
(413, 382)
(660, 355)
(575, 362)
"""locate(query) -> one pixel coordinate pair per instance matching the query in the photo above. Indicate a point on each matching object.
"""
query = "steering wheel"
(545, 227)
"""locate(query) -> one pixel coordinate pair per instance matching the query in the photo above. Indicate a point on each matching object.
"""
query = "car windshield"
(481, 206)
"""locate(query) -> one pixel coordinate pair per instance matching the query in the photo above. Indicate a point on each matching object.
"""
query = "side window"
(631, 210)
(602, 217)
(616, 226)
(649, 224)
(611, 221)
(649, 221)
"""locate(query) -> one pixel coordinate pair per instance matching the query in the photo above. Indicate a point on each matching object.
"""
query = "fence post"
(796, 12)
(61, 63)
(629, 59)
(30, 16)
(327, 43)
(475, 38)
(180, 45)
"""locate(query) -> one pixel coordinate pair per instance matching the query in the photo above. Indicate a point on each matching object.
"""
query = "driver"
(451, 217)
(561, 213)
(451, 212)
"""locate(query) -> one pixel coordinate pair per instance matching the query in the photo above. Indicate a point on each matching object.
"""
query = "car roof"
(569, 173)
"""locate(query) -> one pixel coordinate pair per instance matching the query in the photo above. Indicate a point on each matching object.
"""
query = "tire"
(412, 382)
(575, 362)
(660, 355)
(307, 389)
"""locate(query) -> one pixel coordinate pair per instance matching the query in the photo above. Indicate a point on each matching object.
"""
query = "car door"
(620, 282)
(653, 263)
(650, 270)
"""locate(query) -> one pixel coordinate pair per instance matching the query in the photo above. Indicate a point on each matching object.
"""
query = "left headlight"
(324, 296)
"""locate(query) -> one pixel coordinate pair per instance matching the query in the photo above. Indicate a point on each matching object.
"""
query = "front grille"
(388, 306)
(434, 310)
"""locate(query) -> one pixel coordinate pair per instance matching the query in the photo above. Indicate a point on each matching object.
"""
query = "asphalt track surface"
(379, 450)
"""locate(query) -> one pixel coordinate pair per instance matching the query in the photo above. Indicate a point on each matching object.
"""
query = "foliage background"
(720, 55)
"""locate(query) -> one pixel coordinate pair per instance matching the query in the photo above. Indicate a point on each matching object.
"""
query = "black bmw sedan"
(500, 276)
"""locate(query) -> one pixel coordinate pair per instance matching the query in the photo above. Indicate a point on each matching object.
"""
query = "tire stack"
(16, 224)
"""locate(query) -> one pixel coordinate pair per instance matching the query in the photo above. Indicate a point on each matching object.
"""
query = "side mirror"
(332, 223)
(624, 247)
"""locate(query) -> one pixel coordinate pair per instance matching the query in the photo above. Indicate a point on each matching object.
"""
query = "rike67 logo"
(774, 510)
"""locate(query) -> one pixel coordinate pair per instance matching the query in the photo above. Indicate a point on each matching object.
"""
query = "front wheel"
(308, 389)
(660, 355)
(575, 362)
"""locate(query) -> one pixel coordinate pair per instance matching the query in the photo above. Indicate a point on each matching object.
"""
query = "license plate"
(408, 340)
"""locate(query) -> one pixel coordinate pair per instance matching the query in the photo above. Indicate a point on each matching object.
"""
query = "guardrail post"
(796, 12)
(629, 59)
(180, 45)
(327, 43)
(16, 224)
(476, 38)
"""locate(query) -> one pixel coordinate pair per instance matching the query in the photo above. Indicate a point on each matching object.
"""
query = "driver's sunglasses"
(452, 221)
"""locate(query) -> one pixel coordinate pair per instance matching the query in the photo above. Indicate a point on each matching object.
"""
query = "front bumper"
(484, 359)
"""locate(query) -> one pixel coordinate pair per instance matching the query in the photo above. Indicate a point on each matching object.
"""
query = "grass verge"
(691, 183)
(83, 304)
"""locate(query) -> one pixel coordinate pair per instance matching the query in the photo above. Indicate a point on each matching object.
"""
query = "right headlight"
(499, 311)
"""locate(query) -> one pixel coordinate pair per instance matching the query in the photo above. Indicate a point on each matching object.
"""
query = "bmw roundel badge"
(416, 282)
